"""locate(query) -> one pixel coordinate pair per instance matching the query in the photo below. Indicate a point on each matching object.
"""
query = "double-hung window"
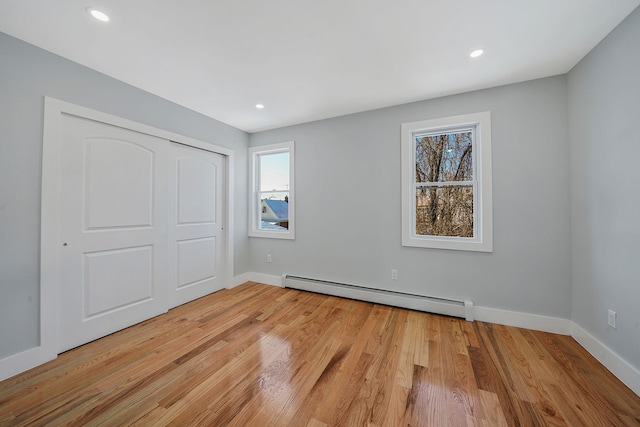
(446, 183)
(271, 199)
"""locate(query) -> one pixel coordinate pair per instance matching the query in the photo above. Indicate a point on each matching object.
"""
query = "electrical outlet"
(394, 274)
(612, 318)
(268, 257)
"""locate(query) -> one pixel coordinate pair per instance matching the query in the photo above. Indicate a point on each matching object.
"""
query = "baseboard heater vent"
(462, 309)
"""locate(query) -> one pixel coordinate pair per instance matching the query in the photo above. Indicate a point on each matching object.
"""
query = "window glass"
(274, 171)
(271, 203)
(446, 183)
(444, 157)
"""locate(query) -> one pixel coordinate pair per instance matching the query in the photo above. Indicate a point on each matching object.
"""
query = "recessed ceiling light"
(259, 106)
(99, 15)
(476, 53)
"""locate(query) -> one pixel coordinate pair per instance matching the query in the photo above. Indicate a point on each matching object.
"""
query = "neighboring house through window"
(446, 183)
(271, 204)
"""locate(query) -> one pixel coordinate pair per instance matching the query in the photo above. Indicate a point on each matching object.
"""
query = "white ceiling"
(312, 59)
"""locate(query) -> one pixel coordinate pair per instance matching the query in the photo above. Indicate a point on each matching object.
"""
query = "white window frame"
(480, 123)
(255, 208)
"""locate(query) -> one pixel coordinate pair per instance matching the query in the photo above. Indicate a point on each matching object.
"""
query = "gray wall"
(604, 106)
(27, 74)
(348, 203)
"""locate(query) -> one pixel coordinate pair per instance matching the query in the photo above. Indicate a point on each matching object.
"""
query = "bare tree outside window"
(444, 184)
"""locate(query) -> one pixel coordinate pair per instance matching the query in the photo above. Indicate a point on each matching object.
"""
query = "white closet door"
(113, 232)
(196, 191)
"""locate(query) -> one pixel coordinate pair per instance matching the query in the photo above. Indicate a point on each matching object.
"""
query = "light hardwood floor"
(259, 355)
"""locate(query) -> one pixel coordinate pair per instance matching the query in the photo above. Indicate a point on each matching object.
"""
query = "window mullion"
(446, 184)
(273, 191)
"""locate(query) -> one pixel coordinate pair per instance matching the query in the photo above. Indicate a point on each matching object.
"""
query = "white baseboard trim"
(266, 279)
(619, 367)
(536, 322)
(239, 280)
(21, 362)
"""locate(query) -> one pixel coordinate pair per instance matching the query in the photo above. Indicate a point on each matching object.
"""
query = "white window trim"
(254, 198)
(483, 214)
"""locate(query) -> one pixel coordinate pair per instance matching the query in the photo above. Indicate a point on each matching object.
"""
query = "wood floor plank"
(342, 387)
(388, 374)
(493, 414)
(410, 338)
(419, 321)
(362, 410)
(501, 378)
(259, 355)
(306, 325)
(277, 379)
(333, 378)
(315, 423)
(458, 400)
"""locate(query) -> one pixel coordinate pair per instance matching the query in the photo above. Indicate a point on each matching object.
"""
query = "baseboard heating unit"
(462, 309)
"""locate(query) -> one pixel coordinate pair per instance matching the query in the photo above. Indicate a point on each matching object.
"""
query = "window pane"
(274, 171)
(274, 211)
(444, 157)
(444, 211)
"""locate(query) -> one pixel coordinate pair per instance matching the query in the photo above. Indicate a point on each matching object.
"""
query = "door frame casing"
(54, 109)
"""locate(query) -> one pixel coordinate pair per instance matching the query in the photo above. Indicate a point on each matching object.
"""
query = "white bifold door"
(140, 228)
